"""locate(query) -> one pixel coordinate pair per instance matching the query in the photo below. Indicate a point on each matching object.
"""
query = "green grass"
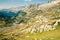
(50, 35)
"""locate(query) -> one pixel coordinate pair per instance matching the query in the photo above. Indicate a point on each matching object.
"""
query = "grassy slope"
(50, 35)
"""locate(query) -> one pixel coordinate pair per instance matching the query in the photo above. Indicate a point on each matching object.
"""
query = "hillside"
(34, 22)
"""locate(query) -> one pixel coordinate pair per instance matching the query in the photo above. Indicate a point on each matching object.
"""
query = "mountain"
(16, 8)
(41, 16)
(33, 20)
(9, 16)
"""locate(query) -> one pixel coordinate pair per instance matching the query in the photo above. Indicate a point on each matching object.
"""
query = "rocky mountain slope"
(35, 18)
(43, 17)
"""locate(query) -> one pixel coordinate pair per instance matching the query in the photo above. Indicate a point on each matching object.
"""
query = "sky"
(17, 3)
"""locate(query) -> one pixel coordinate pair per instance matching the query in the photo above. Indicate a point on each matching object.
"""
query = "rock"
(33, 30)
(41, 28)
(49, 27)
(45, 28)
(38, 29)
(54, 28)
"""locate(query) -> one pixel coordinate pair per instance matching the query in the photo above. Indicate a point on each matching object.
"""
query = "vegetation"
(28, 23)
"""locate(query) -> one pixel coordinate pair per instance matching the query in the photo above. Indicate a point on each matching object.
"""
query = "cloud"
(3, 6)
(27, 0)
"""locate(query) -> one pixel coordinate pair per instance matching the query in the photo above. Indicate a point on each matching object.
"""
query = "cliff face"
(43, 17)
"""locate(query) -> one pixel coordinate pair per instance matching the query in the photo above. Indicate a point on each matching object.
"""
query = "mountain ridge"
(33, 22)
